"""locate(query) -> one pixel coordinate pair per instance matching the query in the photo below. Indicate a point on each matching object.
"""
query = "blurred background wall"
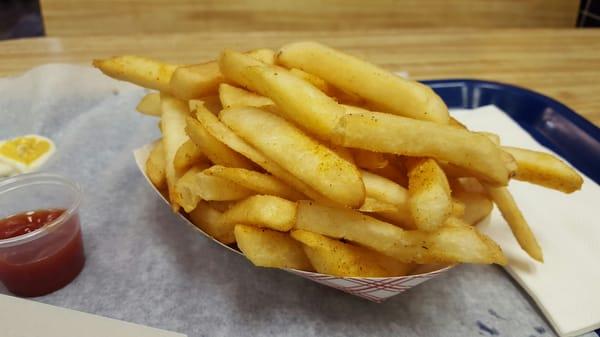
(20, 18)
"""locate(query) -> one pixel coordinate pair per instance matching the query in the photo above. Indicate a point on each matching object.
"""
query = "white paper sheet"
(567, 285)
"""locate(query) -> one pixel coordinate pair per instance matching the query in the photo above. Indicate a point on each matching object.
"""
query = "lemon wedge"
(24, 154)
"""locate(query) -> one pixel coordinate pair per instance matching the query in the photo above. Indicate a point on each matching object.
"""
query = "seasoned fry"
(195, 185)
(545, 169)
(476, 203)
(195, 81)
(269, 248)
(261, 183)
(515, 220)
(387, 191)
(313, 163)
(155, 166)
(386, 90)
(207, 218)
(233, 141)
(233, 97)
(369, 160)
(332, 257)
(187, 156)
(216, 151)
(445, 245)
(172, 122)
(199, 80)
(150, 104)
(145, 72)
(381, 132)
(430, 201)
(261, 211)
(297, 100)
(393, 172)
(372, 205)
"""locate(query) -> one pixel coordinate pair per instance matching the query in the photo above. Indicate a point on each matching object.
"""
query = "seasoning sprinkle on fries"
(313, 159)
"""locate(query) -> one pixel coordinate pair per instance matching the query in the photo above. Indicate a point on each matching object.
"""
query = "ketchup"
(44, 264)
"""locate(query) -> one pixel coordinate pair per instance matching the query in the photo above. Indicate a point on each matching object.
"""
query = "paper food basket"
(376, 289)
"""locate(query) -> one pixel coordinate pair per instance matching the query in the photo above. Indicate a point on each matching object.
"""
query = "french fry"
(199, 80)
(187, 156)
(264, 55)
(372, 205)
(234, 97)
(394, 171)
(386, 90)
(369, 160)
(145, 72)
(269, 248)
(476, 203)
(332, 257)
(313, 163)
(172, 124)
(387, 191)
(150, 104)
(207, 218)
(445, 245)
(297, 99)
(545, 170)
(195, 185)
(265, 211)
(155, 166)
(215, 150)
(261, 183)
(515, 220)
(195, 81)
(221, 206)
(233, 141)
(430, 200)
(458, 209)
(382, 132)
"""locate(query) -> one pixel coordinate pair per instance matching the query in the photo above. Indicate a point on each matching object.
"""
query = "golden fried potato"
(261, 183)
(155, 166)
(430, 201)
(150, 104)
(545, 170)
(266, 211)
(311, 162)
(382, 132)
(297, 100)
(516, 221)
(332, 257)
(207, 218)
(172, 124)
(272, 249)
(234, 97)
(145, 72)
(389, 92)
(233, 141)
(187, 156)
(444, 245)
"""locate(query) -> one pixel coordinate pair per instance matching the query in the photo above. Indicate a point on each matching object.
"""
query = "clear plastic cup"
(50, 257)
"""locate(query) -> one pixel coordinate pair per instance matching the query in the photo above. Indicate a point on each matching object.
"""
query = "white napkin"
(566, 286)
(24, 318)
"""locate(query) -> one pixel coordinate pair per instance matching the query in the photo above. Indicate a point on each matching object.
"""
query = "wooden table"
(563, 64)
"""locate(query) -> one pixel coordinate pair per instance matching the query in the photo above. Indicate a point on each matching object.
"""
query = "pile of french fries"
(312, 159)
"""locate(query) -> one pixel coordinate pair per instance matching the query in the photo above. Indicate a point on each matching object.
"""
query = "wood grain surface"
(93, 17)
(563, 64)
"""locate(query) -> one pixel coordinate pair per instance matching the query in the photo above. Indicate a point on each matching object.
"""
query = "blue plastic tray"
(550, 122)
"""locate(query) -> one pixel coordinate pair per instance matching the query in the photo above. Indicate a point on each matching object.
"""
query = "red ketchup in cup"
(41, 250)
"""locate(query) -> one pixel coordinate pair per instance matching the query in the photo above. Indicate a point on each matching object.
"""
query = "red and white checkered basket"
(376, 289)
